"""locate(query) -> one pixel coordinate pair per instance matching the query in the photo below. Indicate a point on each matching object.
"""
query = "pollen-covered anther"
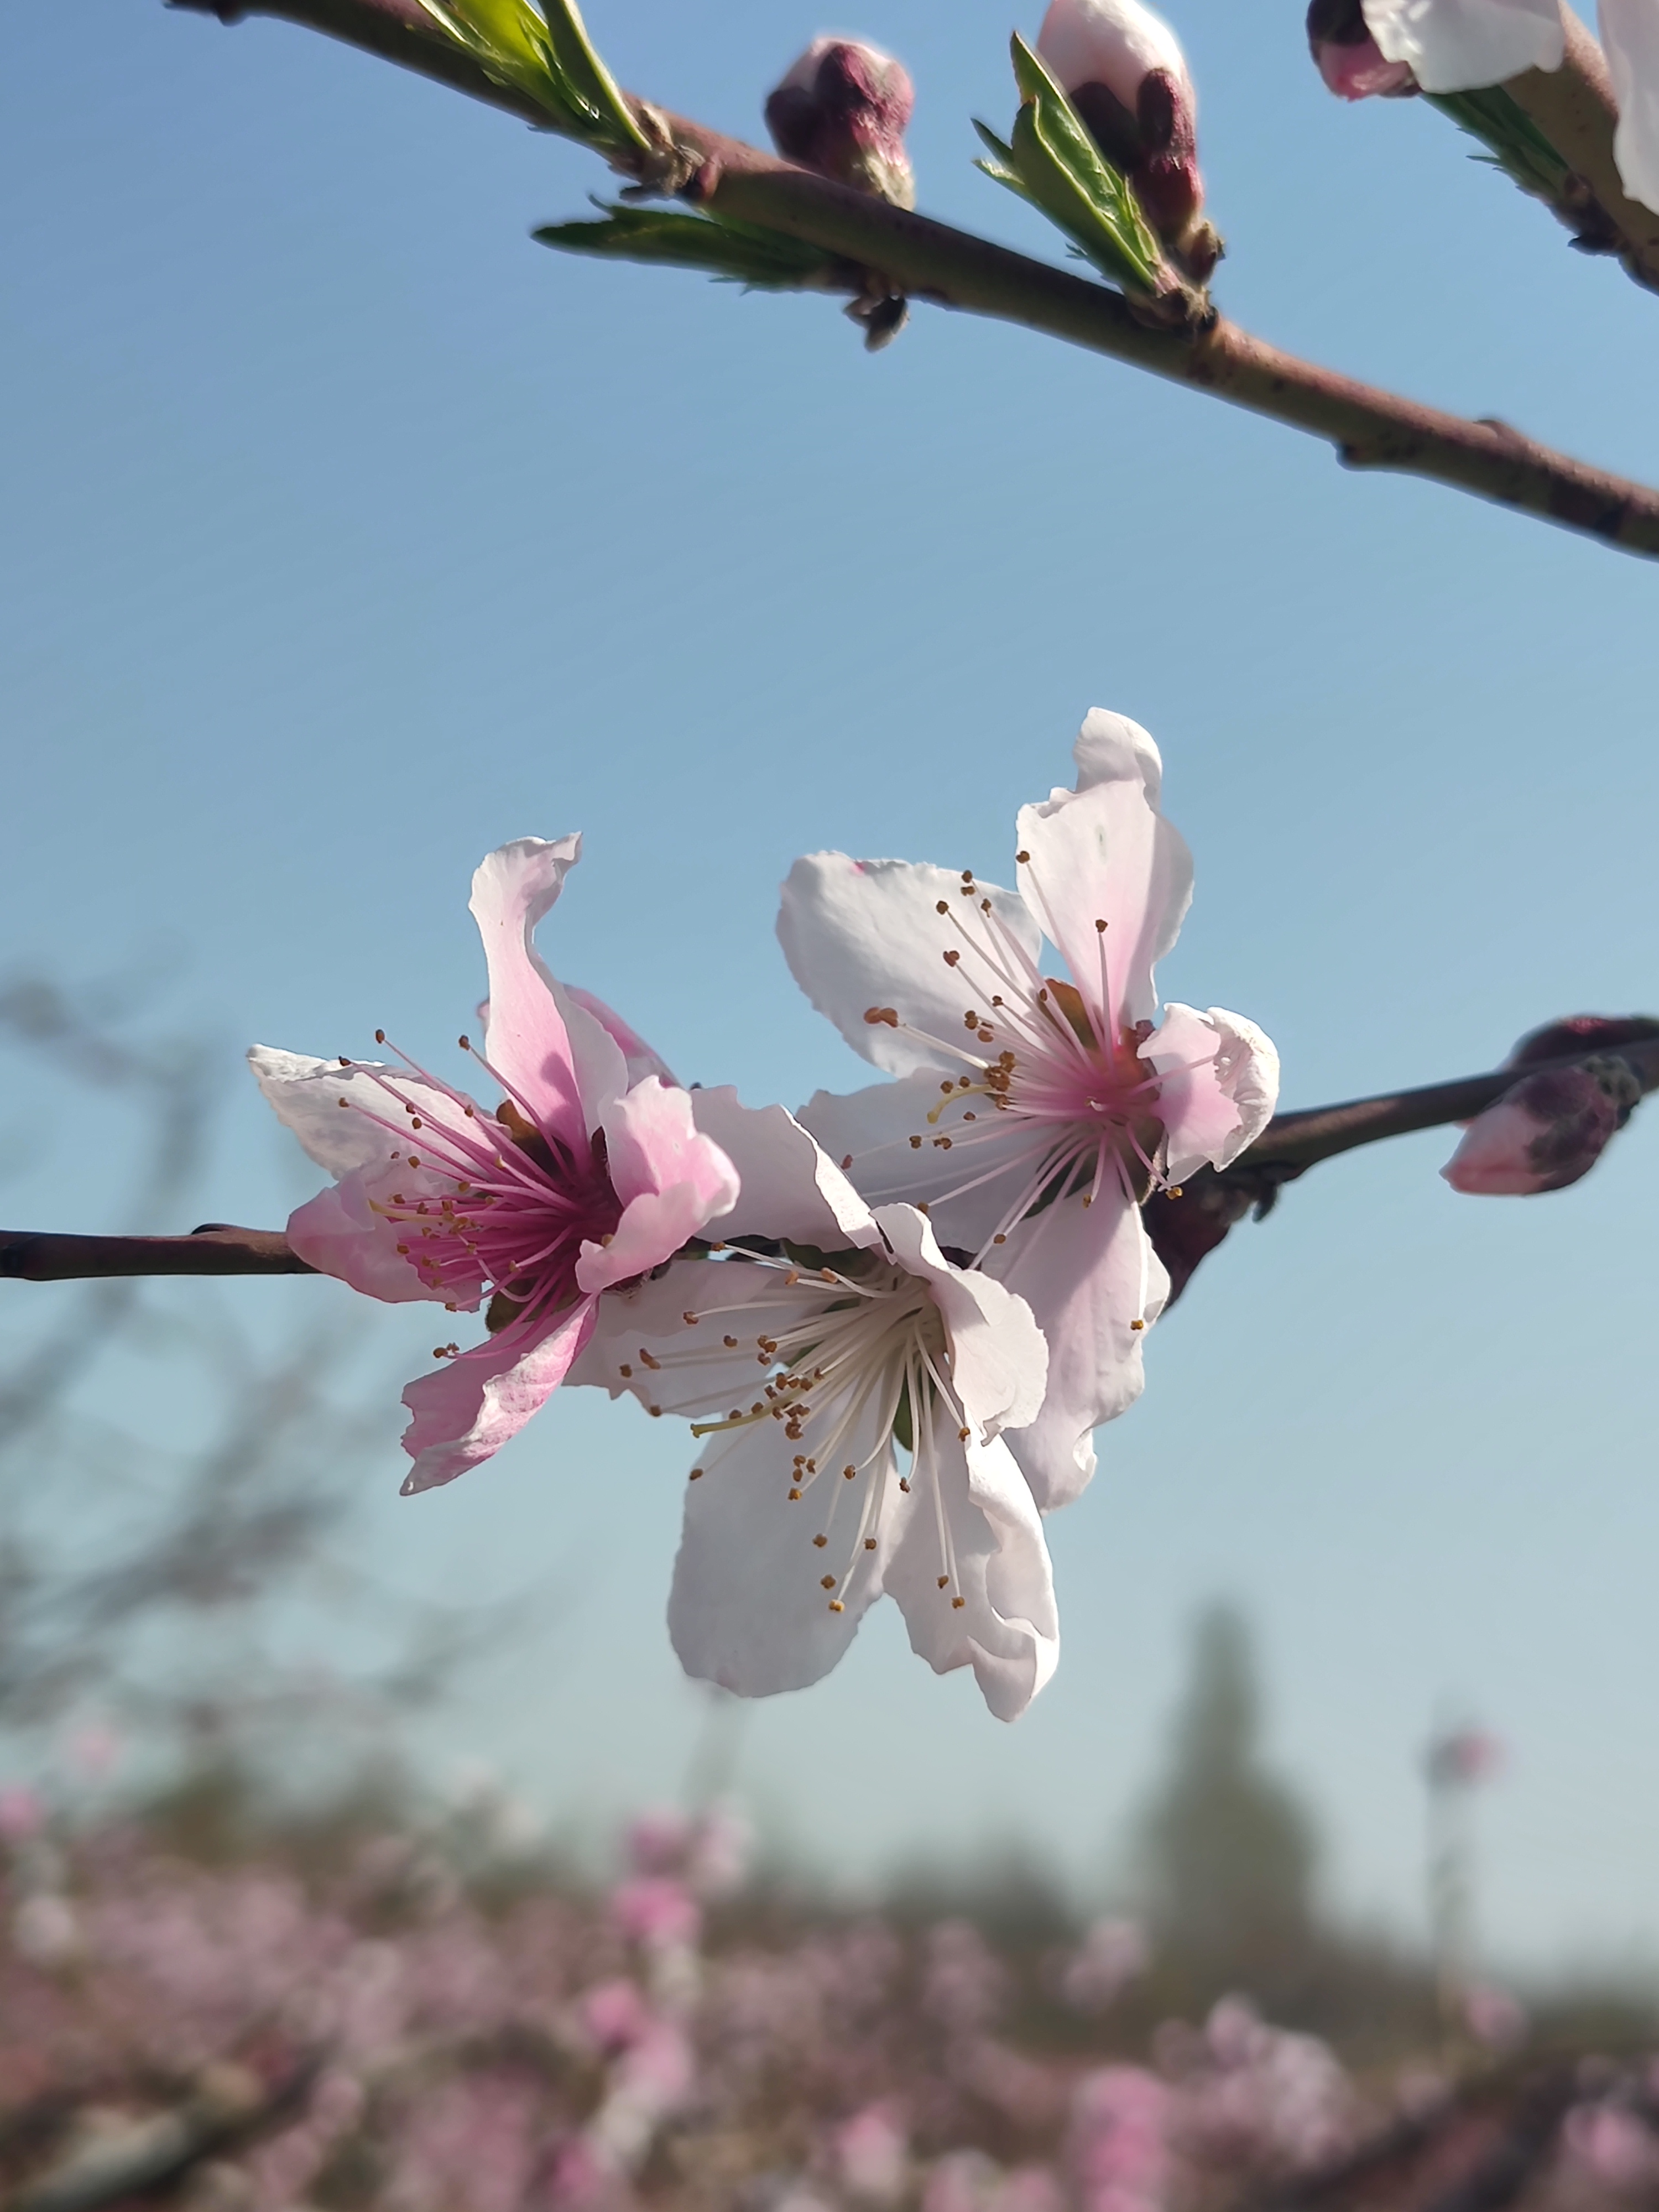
(826, 1582)
(849, 1472)
(690, 1319)
(836, 1606)
(1138, 1322)
(942, 906)
(963, 1435)
(730, 1342)
(1100, 926)
(1022, 856)
(958, 1603)
(627, 1374)
(818, 1542)
(888, 1014)
(953, 957)
(794, 1497)
(904, 1484)
(379, 1036)
(696, 1475)
(944, 1580)
(1174, 1191)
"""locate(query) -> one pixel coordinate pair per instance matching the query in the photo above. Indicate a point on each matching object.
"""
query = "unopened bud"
(1547, 1132)
(1122, 68)
(1348, 58)
(842, 109)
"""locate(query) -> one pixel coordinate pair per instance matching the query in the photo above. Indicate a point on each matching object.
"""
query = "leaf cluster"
(551, 58)
(735, 252)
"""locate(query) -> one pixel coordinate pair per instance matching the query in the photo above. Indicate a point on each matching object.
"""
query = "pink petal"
(469, 1408)
(527, 1041)
(338, 1233)
(1105, 854)
(1115, 43)
(640, 1059)
(672, 1181)
(1219, 1090)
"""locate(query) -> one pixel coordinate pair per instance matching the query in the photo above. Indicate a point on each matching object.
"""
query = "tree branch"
(1288, 1146)
(1368, 426)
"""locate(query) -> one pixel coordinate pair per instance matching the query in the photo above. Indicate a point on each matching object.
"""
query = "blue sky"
(345, 532)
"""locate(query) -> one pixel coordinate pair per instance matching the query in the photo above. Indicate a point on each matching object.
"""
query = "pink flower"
(615, 2015)
(1033, 1112)
(1348, 58)
(655, 1910)
(1117, 2152)
(588, 1174)
(872, 2155)
(842, 109)
(22, 1814)
(1127, 76)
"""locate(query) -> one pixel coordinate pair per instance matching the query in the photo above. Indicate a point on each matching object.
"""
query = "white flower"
(1460, 46)
(1033, 1112)
(850, 1393)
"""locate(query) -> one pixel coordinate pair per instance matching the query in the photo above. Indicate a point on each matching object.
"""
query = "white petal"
(306, 1094)
(1461, 46)
(1115, 43)
(860, 934)
(697, 1373)
(1086, 1273)
(1105, 853)
(748, 1608)
(1111, 749)
(1630, 32)
(998, 1360)
(872, 1129)
(1006, 1628)
(1221, 1088)
(791, 1189)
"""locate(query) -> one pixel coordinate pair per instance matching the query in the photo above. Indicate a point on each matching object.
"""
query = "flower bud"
(1547, 1132)
(842, 109)
(1348, 58)
(1123, 70)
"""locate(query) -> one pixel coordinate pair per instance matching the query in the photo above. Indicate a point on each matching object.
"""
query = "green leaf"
(1052, 161)
(741, 254)
(587, 80)
(1513, 142)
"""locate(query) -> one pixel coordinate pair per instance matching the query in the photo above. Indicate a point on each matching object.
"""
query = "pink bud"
(1127, 78)
(1349, 59)
(655, 1910)
(842, 109)
(1547, 1132)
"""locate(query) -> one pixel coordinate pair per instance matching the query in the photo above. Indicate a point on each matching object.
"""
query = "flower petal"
(873, 1128)
(860, 934)
(791, 1190)
(527, 1041)
(472, 1406)
(1630, 32)
(342, 1233)
(1463, 45)
(638, 1056)
(1007, 1628)
(1087, 1273)
(305, 1095)
(1219, 1089)
(748, 1608)
(642, 1343)
(672, 1181)
(998, 1360)
(1105, 854)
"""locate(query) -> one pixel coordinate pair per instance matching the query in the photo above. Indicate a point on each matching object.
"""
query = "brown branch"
(1369, 428)
(1288, 1147)
(1575, 109)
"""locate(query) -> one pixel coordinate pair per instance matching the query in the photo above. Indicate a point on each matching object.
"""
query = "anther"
(942, 907)
(967, 875)
(951, 958)
(794, 1497)
(1022, 856)
(652, 1364)
(690, 1319)
(957, 1604)
(696, 1475)
(942, 1580)
(1100, 926)
(345, 1062)
(730, 1342)
(999, 1238)
(963, 1435)
(1174, 1191)
(1136, 1322)
(915, 1142)
(655, 1412)
(465, 1042)
(820, 1541)
(849, 1472)
(846, 1163)
(904, 1482)
(826, 1582)
(626, 1373)
(346, 1102)
(869, 1543)
(836, 1606)
(888, 1014)
(379, 1036)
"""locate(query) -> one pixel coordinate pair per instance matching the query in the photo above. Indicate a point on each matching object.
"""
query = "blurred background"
(345, 532)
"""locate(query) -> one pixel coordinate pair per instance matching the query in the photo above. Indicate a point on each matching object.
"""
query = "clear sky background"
(345, 532)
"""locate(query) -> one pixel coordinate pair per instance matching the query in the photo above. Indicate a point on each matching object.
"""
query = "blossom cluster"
(370, 2028)
(895, 1320)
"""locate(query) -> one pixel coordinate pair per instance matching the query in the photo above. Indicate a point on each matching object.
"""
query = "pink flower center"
(489, 1201)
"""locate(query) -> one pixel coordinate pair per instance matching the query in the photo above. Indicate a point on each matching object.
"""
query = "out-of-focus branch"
(1369, 428)
(1575, 109)
(227, 2104)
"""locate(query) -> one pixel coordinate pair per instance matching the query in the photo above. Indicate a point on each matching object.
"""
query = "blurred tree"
(1226, 1854)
